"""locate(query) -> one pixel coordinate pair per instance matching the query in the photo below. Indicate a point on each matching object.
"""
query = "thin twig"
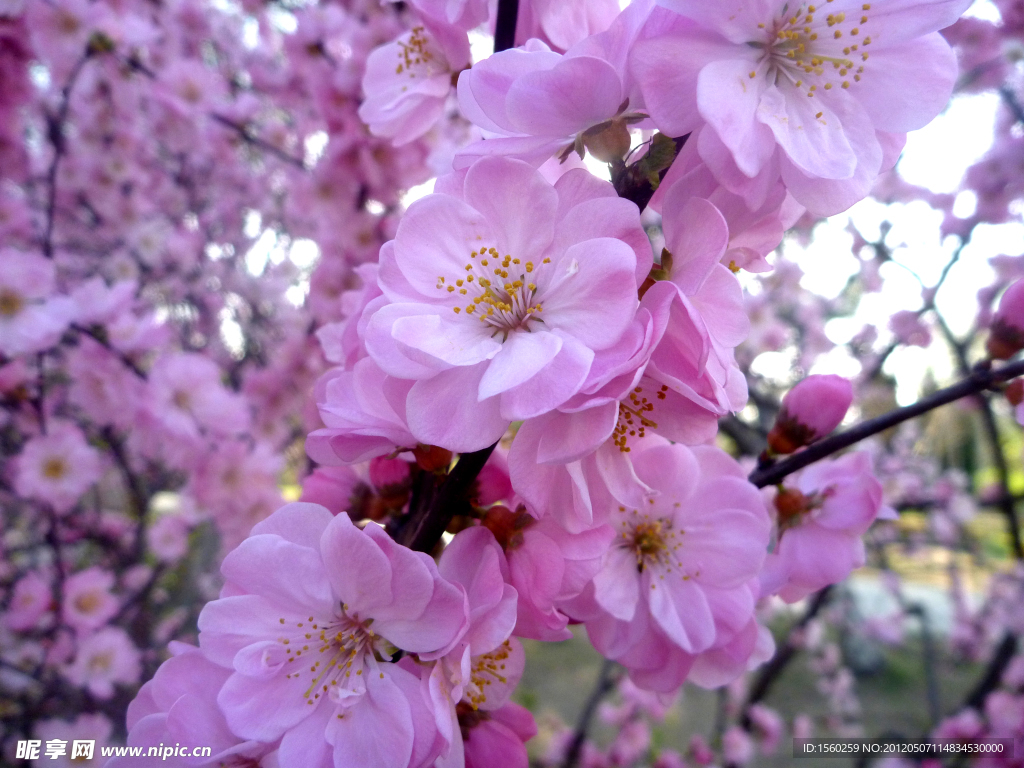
(770, 672)
(980, 379)
(245, 132)
(607, 678)
(55, 133)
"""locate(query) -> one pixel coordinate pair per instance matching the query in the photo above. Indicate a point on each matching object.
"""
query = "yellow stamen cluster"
(54, 468)
(653, 541)
(487, 668)
(632, 421)
(11, 303)
(333, 651)
(504, 290)
(801, 48)
(415, 53)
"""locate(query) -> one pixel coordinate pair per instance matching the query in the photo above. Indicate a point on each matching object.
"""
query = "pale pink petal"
(445, 411)
(729, 98)
(555, 383)
(570, 97)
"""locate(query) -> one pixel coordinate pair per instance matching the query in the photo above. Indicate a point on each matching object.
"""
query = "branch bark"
(982, 377)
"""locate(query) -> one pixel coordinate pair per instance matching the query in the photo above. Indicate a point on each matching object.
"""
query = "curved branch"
(983, 377)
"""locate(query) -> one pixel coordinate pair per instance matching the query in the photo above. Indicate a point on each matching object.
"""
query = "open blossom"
(88, 602)
(91, 727)
(822, 514)
(820, 94)
(179, 705)
(407, 81)
(104, 659)
(315, 609)
(31, 599)
(31, 317)
(58, 467)
(532, 102)
(677, 581)
(480, 673)
(502, 288)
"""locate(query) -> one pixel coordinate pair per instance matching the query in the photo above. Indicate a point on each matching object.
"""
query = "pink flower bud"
(810, 410)
(1007, 337)
(387, 475)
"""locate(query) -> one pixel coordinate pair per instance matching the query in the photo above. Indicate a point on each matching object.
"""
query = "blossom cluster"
(518, 381)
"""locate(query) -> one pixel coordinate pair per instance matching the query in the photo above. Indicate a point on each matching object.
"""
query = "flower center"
(54, 468)
(415, 56)
(87, 602)
(812, 52)
(653, 541)
(505, 294)
(330, 652)
(632, 422)
(11, 303)
(487, 668)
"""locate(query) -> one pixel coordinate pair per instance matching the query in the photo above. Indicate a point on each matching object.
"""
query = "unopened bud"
(389, 476)
(608, 141)
(1007, 332)
(432, 458)
(506, 525)
(1015, 392)
(790, 504)
(810, 410)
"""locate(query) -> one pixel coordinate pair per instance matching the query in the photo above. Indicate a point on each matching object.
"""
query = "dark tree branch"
(770, 672)
(505, 27)
(55, 133)
(1001, 658)
(982, 378)
(434, 505)
(245, 132)
(607, 678)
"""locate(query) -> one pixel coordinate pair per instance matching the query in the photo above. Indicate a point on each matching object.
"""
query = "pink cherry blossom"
(498, 737)
(563, 23)
(31, 600)
(500, 300)
(364, 413)
(348, 702)
(31, 317)
(87, 726)
(179, 705)
(58, 467)
(104, 659)
(819, 96)
(88, 602)
(828, 507)
(676, 588)
(533, 102)
(408, 80)
(333, 487)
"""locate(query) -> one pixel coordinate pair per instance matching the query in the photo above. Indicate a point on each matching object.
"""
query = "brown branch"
(770, 672)
(55, 135)
(981, 378)
(434, 505)
(607, 679)
(245, 132)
